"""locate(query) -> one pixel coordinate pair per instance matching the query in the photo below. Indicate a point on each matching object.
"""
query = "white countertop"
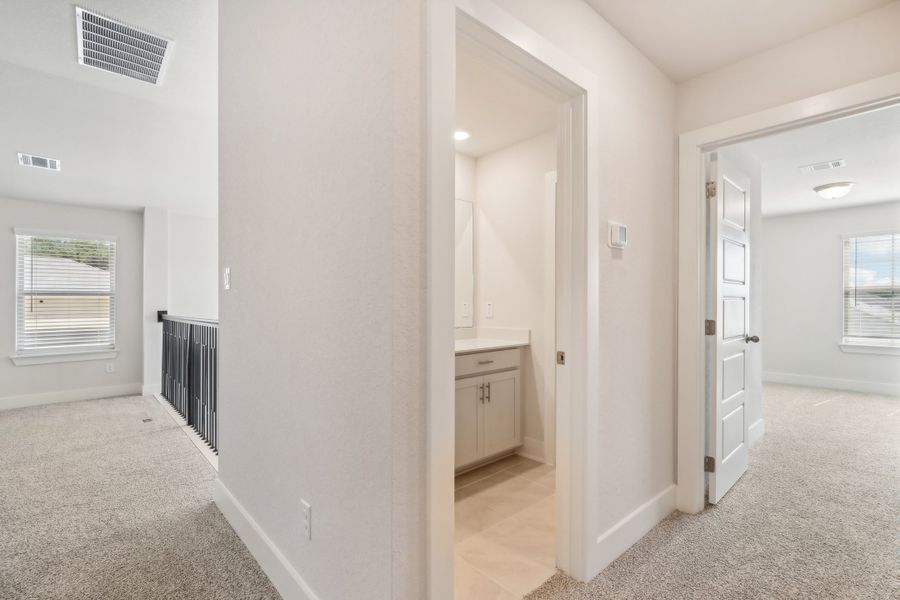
(467, 346)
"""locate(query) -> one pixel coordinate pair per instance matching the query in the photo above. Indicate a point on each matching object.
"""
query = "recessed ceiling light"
(833, 191)
(461, 136)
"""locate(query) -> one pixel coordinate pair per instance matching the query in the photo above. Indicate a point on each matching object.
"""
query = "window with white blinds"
(871, 298)
(65, 294)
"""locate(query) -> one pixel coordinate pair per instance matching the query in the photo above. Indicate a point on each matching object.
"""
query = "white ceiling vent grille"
(113, 46)
(823, 166)
(39, 162)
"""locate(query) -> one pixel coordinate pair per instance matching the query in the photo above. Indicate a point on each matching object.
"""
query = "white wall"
(193, 266)
(322, 354)
(511, 255)
(32, 384)
(155, 294)
(464, 174)
(859, 49)
(181, 265)
(802, 263)
(636, 371)
(464, 287)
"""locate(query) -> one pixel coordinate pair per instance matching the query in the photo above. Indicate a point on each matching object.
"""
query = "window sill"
(21, 360)
(870, 348)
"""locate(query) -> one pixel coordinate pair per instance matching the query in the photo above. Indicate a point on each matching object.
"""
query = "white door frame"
(531, 55)
(842, 102)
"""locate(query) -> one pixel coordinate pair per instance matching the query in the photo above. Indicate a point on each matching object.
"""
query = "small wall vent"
(113, 46)
(823, 166)
(39, 162)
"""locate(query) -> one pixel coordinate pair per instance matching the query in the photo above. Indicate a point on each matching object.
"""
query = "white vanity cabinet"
(488, 405)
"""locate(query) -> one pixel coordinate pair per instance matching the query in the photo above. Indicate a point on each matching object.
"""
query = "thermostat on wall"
(618, 235)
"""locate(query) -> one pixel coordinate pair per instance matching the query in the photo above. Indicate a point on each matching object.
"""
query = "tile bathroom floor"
(505, 529)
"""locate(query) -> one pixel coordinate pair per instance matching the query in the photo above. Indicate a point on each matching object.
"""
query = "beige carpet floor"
(817, 515)
(97, 502)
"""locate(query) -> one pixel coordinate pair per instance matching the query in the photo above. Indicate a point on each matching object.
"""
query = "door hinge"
(709, 464)
(710, 327)
(560, 358)
(710, 189)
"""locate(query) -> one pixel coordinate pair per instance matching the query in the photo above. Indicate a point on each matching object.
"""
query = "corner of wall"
(620, 537)
(155, 291)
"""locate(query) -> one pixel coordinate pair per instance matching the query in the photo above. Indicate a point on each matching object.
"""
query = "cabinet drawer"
(485, 362)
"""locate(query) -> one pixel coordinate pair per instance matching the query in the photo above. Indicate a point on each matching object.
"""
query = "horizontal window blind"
(871, 278)
(65, 294)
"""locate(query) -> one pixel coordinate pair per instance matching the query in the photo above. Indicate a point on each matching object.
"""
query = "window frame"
(857, 345)
(58, 355)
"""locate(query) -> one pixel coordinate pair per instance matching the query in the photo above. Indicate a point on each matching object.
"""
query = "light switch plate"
(489, 311)
(226, 278)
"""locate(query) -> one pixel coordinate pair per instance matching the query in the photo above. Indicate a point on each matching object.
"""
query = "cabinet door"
(501, 412)
(468, 403)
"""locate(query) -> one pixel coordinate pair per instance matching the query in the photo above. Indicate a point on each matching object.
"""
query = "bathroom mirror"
(465, 264)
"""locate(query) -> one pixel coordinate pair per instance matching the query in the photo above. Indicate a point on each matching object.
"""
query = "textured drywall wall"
(322, 333)
(193, 256)
(511, 255)
(636, 370)
(155, 294)
(859, 49)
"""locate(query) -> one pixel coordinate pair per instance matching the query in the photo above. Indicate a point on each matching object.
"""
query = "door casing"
(692, 286)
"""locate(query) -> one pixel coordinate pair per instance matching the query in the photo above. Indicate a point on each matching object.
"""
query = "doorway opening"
(800, 290)
(505, 319)
(557, 437)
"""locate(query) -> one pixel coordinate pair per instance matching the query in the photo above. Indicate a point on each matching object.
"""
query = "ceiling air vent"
(823, 166)
(40, 162)
(104, 43)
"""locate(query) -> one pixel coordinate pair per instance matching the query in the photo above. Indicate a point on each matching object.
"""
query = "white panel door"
(469, 396)
(501, 413)
(729, 306)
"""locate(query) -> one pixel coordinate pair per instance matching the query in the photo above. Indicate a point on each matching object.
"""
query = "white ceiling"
(122, 142)
(870, 143)
(686, 38)
(496, 107)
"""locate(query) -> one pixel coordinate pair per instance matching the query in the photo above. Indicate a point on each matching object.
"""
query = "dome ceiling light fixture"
(833, 191)
(460, 135)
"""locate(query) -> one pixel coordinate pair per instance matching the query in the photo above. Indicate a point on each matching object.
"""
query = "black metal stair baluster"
(190, 371)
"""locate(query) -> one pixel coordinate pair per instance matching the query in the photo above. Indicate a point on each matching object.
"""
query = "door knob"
(752, 338)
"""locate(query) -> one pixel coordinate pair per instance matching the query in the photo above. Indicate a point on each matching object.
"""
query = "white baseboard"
(192, 435)
(151, 389)
(106, 391)
(755, 432)
(533, 449)
(283, 576)
(621, 536)
(850, 385)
